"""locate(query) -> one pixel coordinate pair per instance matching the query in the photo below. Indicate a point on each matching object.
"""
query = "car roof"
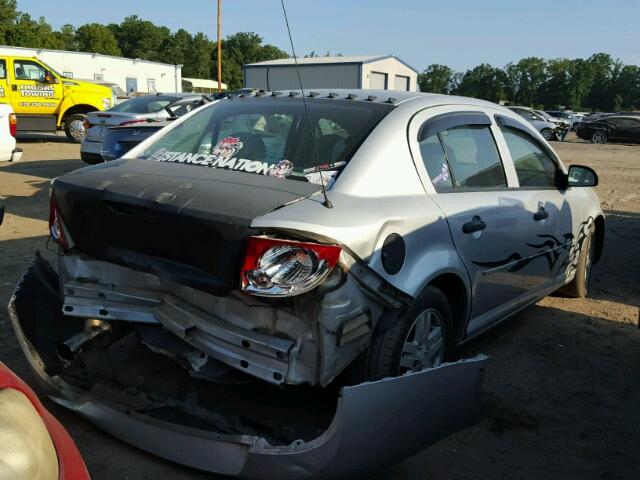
(392, 97)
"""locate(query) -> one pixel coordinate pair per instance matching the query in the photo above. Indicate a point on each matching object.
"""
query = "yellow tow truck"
(45, 101)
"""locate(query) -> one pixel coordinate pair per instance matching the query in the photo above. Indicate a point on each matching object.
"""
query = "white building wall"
(90, 66)
(392, 68)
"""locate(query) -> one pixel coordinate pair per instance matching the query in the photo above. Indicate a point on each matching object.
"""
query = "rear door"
(634, 131)
(628, 129)
(489, 226)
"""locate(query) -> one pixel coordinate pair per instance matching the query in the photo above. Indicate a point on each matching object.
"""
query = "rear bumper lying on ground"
(374, 425)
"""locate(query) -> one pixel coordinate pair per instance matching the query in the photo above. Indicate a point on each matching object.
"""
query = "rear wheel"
(598, 137)
(420, 339)
(74, 127)
(547, 134)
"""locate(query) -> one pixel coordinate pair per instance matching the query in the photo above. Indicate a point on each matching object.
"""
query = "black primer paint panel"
(393, 253)
(188, 224)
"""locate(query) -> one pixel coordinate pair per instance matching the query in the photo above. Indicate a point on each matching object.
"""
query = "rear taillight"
(281, 268)
(133, 122)
(13, 124)
(56, 227)
(86, 124)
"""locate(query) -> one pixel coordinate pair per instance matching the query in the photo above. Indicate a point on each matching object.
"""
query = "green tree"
(66, 37)
(436, 78)
(485, 82)
(239, 49)
(8, 16)
(600, 94)
(96, 38)
(139, 38)
(26, 32)
(627, 86)
(525, 80)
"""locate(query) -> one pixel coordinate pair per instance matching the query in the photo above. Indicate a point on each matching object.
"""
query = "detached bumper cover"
(376, 424)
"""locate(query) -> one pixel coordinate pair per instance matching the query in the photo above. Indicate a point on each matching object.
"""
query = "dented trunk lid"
(183, 223)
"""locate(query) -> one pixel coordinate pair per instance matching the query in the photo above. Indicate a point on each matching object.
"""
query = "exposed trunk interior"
(120, 370)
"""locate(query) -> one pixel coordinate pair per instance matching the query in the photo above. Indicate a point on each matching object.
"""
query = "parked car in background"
(573, 118)
(248, 289)
(139, 110)
(8, 127)
(563, 125)
(119, 140)
(611, 128)
(119, 94)
(547, 128)
(33, 443)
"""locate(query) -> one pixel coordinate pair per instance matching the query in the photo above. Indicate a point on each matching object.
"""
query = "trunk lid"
(100, 121)
(180, 222)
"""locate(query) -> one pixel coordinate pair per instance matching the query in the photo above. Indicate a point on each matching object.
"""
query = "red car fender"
(71, 465)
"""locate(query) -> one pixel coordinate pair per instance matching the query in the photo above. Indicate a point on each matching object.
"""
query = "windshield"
(145, 104)
(52, 70)
(270, 136)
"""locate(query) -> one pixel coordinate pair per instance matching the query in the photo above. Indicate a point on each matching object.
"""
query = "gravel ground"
(562, 390)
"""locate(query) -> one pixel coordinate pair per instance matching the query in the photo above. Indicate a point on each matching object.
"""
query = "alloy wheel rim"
(76, 128)
(547, 134)
(598, 137)
(424, 344)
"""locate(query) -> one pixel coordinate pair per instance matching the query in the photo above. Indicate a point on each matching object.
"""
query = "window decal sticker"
(282, 169)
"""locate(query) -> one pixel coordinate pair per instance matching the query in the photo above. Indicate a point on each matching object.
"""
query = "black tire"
(599, 137)
(71, 127)
(382, 358)
(547, 134)
(579, 286)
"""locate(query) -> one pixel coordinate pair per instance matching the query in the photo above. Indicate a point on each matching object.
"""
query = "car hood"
(79, 86)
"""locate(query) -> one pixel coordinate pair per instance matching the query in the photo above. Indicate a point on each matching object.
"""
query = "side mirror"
(49, 78)
(580, 176)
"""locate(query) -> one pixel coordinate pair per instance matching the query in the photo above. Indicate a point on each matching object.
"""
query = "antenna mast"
(219, 46)
(326, 202)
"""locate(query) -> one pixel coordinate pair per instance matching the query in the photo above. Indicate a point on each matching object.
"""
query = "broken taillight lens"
(56, 227)
(13, 124)
(282, 268)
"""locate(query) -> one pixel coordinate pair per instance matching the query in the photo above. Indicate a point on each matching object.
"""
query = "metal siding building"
(366, 71)
(129, 74)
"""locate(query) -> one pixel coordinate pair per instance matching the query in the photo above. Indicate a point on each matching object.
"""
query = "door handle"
(14, 88)
(541, 214)
(475, 225)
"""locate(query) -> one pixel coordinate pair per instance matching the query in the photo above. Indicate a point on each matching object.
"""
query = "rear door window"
(465, 156)
(534, 166)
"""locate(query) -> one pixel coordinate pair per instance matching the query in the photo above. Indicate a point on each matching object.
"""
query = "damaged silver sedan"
(271, 286)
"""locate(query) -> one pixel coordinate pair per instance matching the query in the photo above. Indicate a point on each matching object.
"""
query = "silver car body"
(385, 189)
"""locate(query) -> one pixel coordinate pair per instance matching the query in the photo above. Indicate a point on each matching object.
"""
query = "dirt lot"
(562, 391)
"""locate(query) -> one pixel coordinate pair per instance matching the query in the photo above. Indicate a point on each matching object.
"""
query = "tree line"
(138, 38)
(598, 83)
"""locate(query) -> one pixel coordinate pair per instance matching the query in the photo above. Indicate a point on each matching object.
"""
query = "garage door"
(378, 81)
(402, 83)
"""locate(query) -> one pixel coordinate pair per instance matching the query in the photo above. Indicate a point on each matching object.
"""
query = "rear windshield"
(145, 104)
(271, 136)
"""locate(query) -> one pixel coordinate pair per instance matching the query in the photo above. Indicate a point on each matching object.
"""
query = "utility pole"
(219, 46)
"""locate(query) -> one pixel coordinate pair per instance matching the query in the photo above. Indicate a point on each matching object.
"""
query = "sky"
(460, 33)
